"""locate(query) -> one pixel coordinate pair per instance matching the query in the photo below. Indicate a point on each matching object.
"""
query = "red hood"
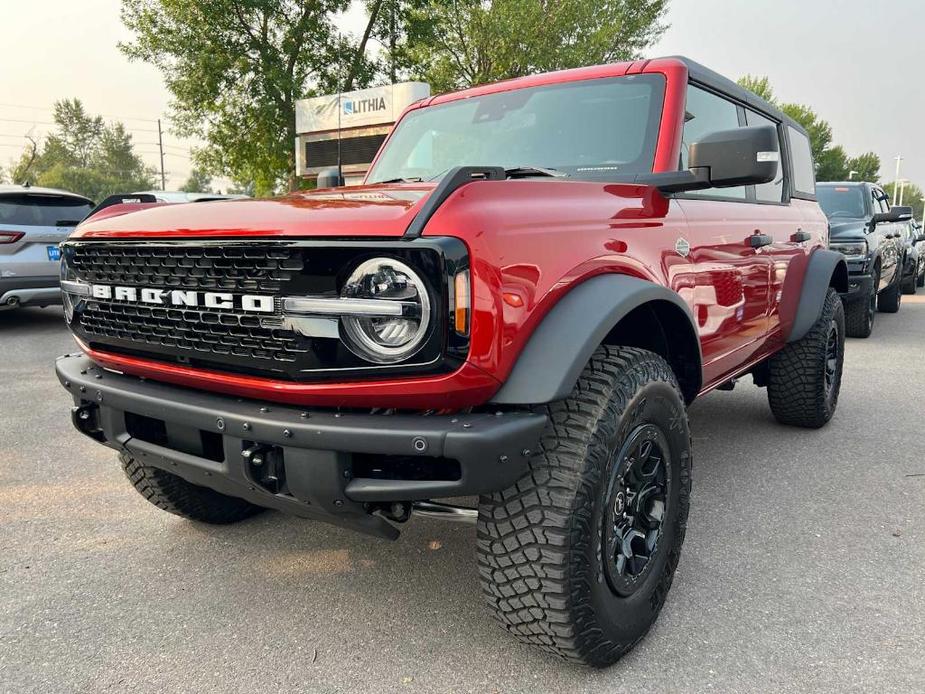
(379, 210)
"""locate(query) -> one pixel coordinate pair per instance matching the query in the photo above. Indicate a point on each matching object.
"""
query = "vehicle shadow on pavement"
(32, 319)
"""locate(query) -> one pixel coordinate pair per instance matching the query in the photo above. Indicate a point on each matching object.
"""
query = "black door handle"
(801, 236)
(757, 240)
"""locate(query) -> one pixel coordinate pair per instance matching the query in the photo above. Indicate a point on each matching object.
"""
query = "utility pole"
(902, 188)
(899, 159)
(160, 146)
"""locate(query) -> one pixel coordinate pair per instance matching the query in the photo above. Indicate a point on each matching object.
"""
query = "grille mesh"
(210, 332)
(249, 269)
(214, 334)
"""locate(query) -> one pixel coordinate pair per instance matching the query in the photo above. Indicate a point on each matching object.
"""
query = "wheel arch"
(826, 269)
(607, 309)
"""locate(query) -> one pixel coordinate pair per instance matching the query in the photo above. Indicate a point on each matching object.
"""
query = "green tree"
(831, 164)
(759, 85)
(911, 195)
(198, 182)
(832, 161)
(866, 167)
(461, 43)
(84, 155)
(235, 69)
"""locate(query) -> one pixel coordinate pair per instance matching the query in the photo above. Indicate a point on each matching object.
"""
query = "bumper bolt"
(220, 424)
(503, 459)
(467, 426)
(419, 443)
(338, 503)
(84, 415)
(67, 384)
(525, 453)
(98, 376)
(246, 426)
(264, 409)
(304, 415)
(287, 434)
(99, 397)
(83, 389)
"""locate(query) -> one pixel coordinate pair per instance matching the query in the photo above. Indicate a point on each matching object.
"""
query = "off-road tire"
(860, 313)
(175, 495)
(803, 383)
(541, 542)
(891, 298)
(909, 285)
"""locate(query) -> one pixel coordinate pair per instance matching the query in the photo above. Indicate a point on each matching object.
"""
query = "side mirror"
(897, 213)
(724, 159)
(740, 157)
(330, 178)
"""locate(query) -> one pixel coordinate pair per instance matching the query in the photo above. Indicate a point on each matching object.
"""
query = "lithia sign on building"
(349, 128)
(376, 106)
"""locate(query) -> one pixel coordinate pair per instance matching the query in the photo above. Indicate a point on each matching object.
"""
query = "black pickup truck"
(868, 232)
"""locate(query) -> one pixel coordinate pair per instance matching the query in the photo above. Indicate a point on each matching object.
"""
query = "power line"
(45, 109)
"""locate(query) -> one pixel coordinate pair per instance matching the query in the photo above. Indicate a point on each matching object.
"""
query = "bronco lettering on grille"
(251, 303)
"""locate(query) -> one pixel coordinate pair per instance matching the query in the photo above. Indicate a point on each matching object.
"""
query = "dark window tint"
(801, 159)
(42, 210)
(843, 201)
(706, 113)
(881, 199)
(773, 191)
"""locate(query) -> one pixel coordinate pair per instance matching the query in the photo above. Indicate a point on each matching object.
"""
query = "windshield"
(842, 201)
(593, 129)
(34, 210)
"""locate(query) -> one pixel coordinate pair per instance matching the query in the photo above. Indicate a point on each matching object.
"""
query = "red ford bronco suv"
(535, 281)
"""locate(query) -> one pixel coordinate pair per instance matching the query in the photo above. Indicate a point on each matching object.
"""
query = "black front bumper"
(321, 464)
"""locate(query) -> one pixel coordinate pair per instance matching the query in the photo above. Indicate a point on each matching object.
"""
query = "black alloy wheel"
(635, 505)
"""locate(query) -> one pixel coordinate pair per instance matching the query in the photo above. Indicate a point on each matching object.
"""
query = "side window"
(804, 173)
(773, 191)
(878, 201)
(706, 113)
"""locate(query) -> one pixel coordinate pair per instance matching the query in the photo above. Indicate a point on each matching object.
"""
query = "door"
(885, 233)
(727, 278)
(797, 225)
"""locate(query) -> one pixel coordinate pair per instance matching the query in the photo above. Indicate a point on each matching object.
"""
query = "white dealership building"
(349, 127)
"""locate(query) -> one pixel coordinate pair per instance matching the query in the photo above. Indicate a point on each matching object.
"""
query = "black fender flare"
(825, 269)
(560, 347)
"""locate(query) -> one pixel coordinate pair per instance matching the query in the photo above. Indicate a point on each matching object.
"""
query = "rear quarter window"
(801, 158)
(42, 210)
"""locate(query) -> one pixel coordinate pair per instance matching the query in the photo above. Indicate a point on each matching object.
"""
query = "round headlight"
(396, 330)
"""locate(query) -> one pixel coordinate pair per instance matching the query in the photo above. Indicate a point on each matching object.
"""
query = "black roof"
(710, 78)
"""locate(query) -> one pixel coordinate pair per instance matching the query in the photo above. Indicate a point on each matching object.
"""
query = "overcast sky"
(861, 71)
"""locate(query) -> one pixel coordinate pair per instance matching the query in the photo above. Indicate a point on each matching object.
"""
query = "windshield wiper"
(527, 171)
(415, 179)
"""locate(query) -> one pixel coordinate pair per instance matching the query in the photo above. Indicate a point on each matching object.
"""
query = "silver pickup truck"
(33, 221)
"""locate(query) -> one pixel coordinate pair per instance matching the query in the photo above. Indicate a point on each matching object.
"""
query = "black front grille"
(208, 335)
(211, 268)
(232, 339)
(212, 333)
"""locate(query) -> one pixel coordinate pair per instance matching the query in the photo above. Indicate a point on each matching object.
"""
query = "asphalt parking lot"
(803, 568)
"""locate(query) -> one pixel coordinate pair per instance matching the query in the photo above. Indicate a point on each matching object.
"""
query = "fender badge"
(682, 247)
